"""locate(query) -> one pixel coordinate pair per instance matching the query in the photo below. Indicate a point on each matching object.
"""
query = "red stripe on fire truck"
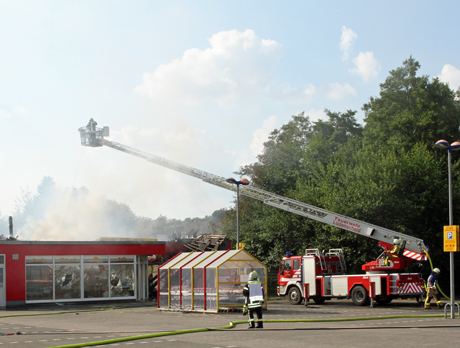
(410, 288)
(414, 255)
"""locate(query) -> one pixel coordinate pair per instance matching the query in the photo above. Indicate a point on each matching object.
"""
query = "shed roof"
(233, 255)
(202, 257)
(186, 259)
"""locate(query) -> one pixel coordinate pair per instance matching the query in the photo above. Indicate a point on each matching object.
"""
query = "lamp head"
(231, 181)
(455, 146)
(242, 181)
(442, 144)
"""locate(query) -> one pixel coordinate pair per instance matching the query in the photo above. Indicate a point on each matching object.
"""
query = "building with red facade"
(41, 272)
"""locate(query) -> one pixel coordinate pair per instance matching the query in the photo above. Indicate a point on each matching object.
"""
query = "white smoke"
(76, 215)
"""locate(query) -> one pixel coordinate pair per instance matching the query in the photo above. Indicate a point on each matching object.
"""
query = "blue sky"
(199, 82)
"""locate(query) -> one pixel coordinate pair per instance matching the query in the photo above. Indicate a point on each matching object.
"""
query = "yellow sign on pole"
(451, 238)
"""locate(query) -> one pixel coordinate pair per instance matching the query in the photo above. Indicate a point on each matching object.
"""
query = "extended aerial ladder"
(414, 247)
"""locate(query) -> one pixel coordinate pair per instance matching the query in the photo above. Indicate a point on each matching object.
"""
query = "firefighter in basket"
(393, 252)
(91, 126)
(432, 292)
(254, 293)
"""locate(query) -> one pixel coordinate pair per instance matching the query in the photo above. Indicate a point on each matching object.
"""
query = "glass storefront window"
(39, 282)
(96, 281)
(79, 277)
(121, 280)
(67, 280)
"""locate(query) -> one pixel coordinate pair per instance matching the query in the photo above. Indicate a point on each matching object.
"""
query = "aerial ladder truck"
(316, 275)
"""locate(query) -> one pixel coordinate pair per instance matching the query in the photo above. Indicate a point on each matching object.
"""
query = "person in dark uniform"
(91, 126)
(432, 292)
(254, 293)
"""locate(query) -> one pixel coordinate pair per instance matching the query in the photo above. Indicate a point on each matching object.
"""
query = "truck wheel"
(294, 295)
(359, 295)
(319, 300)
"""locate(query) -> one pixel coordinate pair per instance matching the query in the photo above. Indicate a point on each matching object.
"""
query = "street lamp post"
(238, 183)
(442, 144)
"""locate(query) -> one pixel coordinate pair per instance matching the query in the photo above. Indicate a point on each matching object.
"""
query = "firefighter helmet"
(253, 275)
(437, 271)
(397, 241)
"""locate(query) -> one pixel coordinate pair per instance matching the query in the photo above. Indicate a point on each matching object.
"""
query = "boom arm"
(414, 246)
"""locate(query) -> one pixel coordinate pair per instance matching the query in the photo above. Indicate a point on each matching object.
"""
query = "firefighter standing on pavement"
(254, 293)
(432, 292)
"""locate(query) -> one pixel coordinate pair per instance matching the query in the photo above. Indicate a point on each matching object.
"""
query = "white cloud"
(366, 66)
(20, 110)
(337, 91)
(309, 90)
(450, 75)
(4, 114)
(260, 136)
(346, 41)
(316, 115)
(236, 67)
(236, 63)
(15, 111)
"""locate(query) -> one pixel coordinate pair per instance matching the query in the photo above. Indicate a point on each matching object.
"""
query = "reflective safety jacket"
(91, 126)
(395, 250)
(432, 280)
(254, 293)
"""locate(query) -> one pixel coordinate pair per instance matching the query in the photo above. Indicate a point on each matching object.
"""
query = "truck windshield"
(287, 265)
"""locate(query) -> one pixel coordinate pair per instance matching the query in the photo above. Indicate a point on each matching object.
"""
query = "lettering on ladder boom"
(351, 226)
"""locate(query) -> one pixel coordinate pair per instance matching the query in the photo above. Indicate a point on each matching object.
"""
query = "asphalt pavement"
(336, 323)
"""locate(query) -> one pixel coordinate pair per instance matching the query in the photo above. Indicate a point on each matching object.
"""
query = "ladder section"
(94, 137)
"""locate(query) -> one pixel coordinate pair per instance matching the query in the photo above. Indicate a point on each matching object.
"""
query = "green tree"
(388, 172)
(398, 192)
(292, 153)
(411, 109)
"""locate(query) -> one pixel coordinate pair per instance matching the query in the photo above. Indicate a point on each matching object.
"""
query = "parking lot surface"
(336, 323)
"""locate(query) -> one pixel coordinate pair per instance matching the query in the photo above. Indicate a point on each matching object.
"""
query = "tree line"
(387, 172)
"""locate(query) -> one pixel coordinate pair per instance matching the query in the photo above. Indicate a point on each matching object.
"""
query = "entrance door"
(2, 282)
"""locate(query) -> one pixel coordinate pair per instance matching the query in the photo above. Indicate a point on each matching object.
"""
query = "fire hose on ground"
(233, 324)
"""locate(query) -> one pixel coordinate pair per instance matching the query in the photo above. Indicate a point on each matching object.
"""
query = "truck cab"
(289, 278)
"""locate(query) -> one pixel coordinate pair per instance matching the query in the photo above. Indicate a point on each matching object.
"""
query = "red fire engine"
(321, 275)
